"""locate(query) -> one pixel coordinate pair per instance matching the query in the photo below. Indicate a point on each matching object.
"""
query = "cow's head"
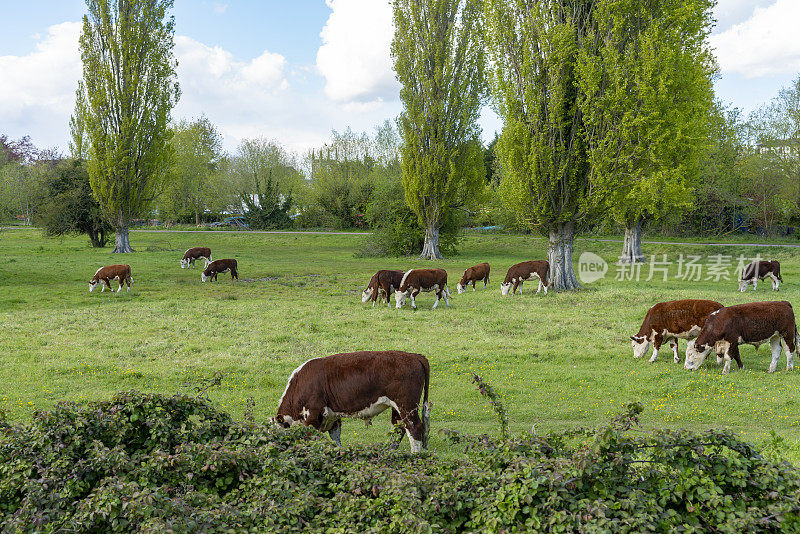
(460, 288)
(367, 294)
(184, 263)
(505, 287)
(743, 285)
(640, 345)
(696, 355)
(93, 284)
(283, 421)
(400, 298)
(204, 276)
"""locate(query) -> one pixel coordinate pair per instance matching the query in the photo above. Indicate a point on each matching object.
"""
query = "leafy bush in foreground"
(175, 464)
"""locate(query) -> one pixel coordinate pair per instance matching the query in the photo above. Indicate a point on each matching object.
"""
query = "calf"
(362, 385)
(524, 271)
(104, 275)
(758, 270)
(474, 274)
(416, 281)
(219, 266)
(382, 283)
(753, 323)
(195, 254)
(678, 319)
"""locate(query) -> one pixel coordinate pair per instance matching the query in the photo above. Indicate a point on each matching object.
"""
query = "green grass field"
(560, 360)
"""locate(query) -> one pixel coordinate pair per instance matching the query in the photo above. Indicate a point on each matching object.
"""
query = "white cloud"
(765, 44)
(220, 8)
(355, 57)
(730, 12)
(39, 88)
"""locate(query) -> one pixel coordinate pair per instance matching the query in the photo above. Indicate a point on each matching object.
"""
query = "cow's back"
(677, 316)
(755, 321)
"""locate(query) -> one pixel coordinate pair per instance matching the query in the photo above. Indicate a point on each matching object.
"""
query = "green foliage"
(266, 208)
(193, 184)
(495, 400)
(70, 207)
(439, 60)
(130, 88)
(149, 463)
(534, 51)
(646, 94)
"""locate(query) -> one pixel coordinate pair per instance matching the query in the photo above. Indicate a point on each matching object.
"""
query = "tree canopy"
(439, 59)
(130, 89)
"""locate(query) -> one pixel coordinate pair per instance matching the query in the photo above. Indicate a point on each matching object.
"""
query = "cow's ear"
(633, 338)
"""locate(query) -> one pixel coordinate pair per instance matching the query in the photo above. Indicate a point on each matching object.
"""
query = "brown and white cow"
(196, 253)
(753, 323)
(104, 275)
(417, 281)
(670, 321)
(382, 284)
(758, 270)
(361, 385)
(474, 274)
(526, 270)
(220, 266)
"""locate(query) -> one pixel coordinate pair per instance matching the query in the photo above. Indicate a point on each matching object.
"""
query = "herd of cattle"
(322, 391)
(122, 273)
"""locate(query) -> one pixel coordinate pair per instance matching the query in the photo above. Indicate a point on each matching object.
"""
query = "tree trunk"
(632, 245)
(196, 218)
(560, 244)
(122, 244)
(94, 237)
(430, 249)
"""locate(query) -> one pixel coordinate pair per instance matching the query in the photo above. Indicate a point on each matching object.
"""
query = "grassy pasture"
(560, 360)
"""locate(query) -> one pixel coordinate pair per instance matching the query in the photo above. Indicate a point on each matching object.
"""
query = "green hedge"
(176, 464)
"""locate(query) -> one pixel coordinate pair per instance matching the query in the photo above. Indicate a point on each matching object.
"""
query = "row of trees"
(607, 109)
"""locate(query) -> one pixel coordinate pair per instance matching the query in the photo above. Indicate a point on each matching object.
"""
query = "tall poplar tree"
(647, 101)
(534, 47)
(439, 60)
(130, 89)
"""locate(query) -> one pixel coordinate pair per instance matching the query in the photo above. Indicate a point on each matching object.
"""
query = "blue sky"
(294, 70)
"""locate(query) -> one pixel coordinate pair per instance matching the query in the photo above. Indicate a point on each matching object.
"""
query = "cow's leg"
(336, 432)
(732, 353)
(485, 282)
(414, 293)
(414, 430)
(673, 344)
(775, 346)
(789, 348)
(517, 283)
(755, 282)
(438, 298)
(657, 340)
(541, 285)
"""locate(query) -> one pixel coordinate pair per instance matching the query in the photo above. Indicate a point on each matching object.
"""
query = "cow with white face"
(476, 273)
(517, 274)
(417, 281)
(759, 270)
(105, 275)
(382, 285)
(220, 266)
(196, 253)
(671, 321)
(754, 323)
(361, 385)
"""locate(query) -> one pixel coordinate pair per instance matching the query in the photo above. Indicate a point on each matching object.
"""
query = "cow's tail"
(425, 414)
(796, 340)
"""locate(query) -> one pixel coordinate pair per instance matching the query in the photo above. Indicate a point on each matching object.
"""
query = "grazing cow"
(474, 274)
(678, 319)
(220, 266)
(758, 270)
(754, 323)
(382, 284)
(361, 385)
(195, 254)
(104, 275)
(524, 271)
(422, 280)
